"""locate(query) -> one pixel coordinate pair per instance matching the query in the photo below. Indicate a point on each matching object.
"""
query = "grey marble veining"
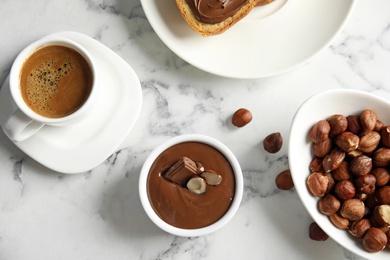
(98, 215)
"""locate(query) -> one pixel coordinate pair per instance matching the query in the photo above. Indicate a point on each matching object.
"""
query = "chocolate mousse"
(170, 196)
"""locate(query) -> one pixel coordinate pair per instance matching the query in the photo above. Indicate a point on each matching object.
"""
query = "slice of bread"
(207, 29)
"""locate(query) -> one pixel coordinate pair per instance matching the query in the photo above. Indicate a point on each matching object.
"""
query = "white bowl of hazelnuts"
(339, 156)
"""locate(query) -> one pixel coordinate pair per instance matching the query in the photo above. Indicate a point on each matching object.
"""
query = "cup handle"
(19, 127)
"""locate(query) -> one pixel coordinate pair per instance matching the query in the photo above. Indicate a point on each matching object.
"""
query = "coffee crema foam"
(43, 83)
(55, 81)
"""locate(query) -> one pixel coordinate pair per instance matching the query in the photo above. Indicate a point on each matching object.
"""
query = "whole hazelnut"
(354, 125)
(382, 176)
(347, 141)
(316, 233)
(381, 157)
(273, 142)
(338, 124)
(381, 215)
(361, 165)
(317, 184)
(343, 172)
(241, 117)
(385, 135)
(374, 223)
(320, 131)
(366, 183)
(359, 228)
(368, 120)
(328, 205)
(339, 221)
(316, 165)
(352, 209)
(284, 180)
(388, 238)
(382, 195)
(333, 160)
(374, 240)
(345, 190)
(369, 142)
(323, 148)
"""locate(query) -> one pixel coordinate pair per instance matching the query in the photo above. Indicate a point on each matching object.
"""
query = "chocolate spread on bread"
(215, 11)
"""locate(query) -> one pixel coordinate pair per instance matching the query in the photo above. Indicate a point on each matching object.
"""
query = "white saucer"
(82, 147)
(271, 40)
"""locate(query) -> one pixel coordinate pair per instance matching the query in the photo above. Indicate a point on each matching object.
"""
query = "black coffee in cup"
(55, 81)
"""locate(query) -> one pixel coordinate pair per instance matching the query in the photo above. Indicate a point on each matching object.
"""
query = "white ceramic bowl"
(239, 186)
(321, 106)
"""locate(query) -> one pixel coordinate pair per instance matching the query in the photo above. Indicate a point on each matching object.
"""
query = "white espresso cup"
(53, 82)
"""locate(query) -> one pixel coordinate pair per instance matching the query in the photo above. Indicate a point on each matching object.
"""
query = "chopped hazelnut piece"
(197, 185)
(211, 177)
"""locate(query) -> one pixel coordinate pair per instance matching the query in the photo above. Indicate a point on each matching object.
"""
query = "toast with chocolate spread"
(211, 17)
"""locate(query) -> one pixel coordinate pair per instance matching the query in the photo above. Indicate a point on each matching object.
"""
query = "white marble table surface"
(98, 215)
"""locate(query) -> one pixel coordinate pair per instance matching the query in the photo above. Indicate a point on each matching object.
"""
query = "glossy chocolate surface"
(177, 205)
